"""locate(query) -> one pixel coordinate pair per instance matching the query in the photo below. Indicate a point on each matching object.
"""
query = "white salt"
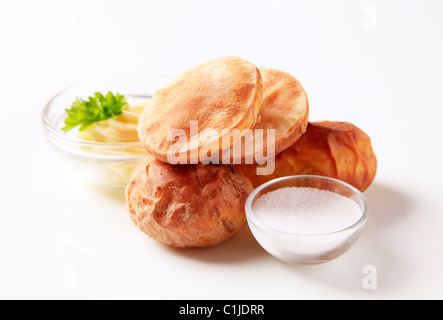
(303, 210)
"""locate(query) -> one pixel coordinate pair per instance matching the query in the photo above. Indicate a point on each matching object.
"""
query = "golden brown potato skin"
(337, 150)
(285, 108)
(187, 206)
(224, 93)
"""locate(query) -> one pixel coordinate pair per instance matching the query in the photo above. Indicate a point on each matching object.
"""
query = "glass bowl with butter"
(306, 219)
(105, 153)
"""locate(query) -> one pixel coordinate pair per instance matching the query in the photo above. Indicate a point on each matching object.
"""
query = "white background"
(377, 64)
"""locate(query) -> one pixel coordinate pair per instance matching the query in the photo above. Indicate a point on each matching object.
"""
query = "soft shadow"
(241, 248)
(388, 207)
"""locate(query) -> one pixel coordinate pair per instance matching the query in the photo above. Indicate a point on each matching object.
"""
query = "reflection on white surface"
(65, 245)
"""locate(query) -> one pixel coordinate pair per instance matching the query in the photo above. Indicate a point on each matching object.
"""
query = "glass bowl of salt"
(306, 219)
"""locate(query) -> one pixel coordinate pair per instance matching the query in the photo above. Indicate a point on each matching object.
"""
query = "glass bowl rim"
(256, 222)
(60, 135)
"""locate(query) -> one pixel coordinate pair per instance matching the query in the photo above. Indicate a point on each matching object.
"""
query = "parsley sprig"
(97, 108)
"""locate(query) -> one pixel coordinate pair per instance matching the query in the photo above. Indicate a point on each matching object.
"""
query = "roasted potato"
(338, 150)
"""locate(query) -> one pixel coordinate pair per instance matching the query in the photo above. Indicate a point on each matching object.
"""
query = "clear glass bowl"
(107, 165)
(309, 248)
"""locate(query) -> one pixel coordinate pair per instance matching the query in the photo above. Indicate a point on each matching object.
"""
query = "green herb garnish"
(97, 108)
